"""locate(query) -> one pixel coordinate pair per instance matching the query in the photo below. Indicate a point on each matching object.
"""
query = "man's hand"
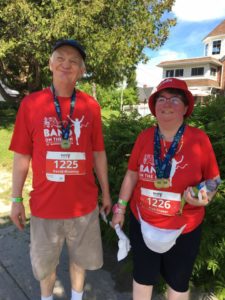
(106, 205)
(18, 215)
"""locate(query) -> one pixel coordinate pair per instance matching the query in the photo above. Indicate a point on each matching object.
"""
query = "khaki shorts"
(82, 236)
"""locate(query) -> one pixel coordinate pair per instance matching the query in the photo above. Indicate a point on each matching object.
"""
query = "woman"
(166, 161)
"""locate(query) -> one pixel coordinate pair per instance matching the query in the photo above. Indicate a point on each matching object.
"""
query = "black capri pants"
(175, 265)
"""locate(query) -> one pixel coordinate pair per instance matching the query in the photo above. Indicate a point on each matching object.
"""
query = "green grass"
(5, 155)
(7, 119)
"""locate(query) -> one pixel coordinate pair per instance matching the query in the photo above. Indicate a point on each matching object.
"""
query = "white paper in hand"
(123, 243)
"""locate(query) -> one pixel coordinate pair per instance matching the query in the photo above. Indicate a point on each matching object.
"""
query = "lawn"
(5, 154)
(7, 119)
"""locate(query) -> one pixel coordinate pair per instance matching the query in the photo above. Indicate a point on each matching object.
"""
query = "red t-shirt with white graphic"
(63, 180)
(193, 163)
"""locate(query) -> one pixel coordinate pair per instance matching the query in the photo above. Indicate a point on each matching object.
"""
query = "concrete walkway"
(17, 281)
(112, 282)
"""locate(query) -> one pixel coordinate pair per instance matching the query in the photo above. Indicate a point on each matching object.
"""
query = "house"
(142, 107)
(144, 93)
(204, 75)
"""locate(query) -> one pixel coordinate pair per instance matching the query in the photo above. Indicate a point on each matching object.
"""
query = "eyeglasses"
(175, 100)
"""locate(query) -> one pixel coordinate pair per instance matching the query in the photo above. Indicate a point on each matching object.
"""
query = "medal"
(163, 165)
(162, 183)
(166, 183)
(65, 144)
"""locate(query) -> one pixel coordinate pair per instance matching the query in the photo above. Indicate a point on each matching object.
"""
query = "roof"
(144, 93)
(197, 60)
(222, 59)
(202, 82)
(219, 30)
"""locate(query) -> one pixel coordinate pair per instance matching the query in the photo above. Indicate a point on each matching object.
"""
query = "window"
(213, 71)
(169, 73)
(206, 49)
(179, 72)
(197, 71)
(216, 47)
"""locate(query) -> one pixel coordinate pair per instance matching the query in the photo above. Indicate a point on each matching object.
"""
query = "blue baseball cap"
(73, 43)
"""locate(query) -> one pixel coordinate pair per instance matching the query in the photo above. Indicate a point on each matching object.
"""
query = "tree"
(114, 33)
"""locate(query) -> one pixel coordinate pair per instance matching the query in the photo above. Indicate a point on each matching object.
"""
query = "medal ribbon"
(65, 129)
(163, 166)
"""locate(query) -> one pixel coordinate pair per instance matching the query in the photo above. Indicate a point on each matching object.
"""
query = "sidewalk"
(17, 281)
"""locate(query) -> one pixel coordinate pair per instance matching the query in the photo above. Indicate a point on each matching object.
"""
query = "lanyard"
(163, 166)
(65, 129)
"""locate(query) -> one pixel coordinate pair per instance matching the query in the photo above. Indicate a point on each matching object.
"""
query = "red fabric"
(37, 131)
(196, 162)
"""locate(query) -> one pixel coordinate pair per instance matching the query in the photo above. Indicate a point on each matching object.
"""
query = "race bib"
(160, 202)
(59, 164)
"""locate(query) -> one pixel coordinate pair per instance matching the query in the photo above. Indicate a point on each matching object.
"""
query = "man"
(63, 201)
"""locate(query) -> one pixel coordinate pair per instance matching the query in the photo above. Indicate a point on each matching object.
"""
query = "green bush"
(211, 118)
(111, 97)
(209, 271)
(120, 134)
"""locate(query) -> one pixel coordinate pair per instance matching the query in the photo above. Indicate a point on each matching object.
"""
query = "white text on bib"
(160, 202)
(59, 164)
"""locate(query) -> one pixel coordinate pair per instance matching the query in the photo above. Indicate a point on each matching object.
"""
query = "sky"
(195, 19)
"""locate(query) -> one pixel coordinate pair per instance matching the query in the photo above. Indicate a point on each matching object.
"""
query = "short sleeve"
(21, 141)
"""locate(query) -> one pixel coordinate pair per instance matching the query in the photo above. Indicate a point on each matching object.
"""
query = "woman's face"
(169, 107)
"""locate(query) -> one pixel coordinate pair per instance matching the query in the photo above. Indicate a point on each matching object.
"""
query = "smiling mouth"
(65, 71)
(167, 111)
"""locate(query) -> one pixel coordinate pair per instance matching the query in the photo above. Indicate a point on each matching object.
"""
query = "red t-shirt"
(193, 163)
(63, 180)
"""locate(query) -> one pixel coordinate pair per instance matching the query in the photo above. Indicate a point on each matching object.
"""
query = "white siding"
(187, 71)
(210, 41)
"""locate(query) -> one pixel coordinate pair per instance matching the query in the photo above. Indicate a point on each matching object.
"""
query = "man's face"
(66, 65)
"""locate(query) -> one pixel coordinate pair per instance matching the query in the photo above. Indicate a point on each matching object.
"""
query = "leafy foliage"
(209, 271)
(120, 135)
(110, 97)
(211, 118)
(114, 33)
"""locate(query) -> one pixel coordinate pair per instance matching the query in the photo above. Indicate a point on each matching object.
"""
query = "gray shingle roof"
(144, 93)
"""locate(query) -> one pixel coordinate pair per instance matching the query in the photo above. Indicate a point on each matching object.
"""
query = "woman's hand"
(194, 200)
(118, 219)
